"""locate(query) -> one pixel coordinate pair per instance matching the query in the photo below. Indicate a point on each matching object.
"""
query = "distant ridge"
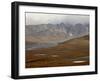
(54, 33)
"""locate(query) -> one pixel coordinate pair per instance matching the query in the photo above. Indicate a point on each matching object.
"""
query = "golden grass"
(61, 55)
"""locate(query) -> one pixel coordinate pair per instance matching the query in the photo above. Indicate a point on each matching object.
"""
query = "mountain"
(54, 33)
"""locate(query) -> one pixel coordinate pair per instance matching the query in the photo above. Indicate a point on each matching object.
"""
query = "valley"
(74, 52)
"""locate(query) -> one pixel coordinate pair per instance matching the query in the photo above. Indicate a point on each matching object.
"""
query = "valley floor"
(74, 52)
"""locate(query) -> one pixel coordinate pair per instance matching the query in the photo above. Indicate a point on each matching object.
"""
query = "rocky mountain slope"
(54, 33)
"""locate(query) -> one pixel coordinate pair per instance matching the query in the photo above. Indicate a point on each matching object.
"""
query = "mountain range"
(54, 33)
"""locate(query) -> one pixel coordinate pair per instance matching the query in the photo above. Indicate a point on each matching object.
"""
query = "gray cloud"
(43, 18)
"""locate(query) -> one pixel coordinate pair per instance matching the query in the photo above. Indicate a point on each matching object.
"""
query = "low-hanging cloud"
(45, 18)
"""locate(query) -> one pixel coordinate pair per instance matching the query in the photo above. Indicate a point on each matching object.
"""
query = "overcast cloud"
(42, 18)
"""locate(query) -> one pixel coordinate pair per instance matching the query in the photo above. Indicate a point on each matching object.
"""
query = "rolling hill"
(74, 52)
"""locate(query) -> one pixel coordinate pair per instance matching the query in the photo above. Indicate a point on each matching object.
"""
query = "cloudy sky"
(44, 18)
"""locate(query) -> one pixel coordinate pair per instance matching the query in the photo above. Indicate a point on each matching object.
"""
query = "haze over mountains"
(52, 18)
(54, 33)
